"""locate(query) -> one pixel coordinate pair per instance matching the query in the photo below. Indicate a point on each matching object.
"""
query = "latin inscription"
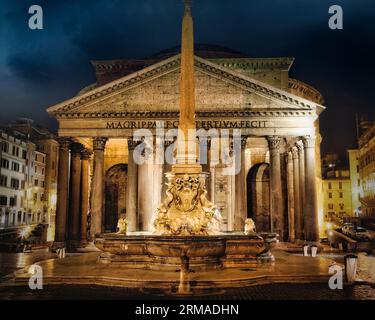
(205, 124)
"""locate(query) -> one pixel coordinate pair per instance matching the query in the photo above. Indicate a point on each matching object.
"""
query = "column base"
(90, 247)
(58, 245)
(73, 245)
(83, 243)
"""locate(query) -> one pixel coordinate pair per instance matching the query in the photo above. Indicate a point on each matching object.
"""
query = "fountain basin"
(148, 251)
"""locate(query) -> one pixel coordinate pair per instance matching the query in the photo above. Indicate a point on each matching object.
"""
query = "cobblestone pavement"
(262, 292)
(11, 262)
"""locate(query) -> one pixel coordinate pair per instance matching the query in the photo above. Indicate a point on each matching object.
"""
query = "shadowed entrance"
(258, 196)
(115, 196)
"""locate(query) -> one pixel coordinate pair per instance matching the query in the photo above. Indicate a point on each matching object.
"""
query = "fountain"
(186, 222)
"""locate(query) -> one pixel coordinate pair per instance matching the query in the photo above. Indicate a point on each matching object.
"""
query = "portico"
(279, 140)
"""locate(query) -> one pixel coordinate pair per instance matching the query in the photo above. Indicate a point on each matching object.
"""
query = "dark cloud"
(41, 68)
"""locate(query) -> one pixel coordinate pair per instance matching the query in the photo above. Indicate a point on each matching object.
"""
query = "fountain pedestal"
(164, 252)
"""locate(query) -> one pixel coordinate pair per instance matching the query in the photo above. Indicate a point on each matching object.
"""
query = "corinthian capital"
(299, 145)
(99, 143)
(86, 154)
(308, 142)
(133, 144)
(76, 148)
(294, 151)
(64, 143)
(274, 142)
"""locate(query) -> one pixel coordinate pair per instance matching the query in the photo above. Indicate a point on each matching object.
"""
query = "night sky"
(43, 67)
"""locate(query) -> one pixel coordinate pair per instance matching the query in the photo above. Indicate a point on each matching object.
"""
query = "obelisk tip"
(187, 5)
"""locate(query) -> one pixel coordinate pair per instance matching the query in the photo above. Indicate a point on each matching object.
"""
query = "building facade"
(28, 184)
(42, 184)
(277, 117)
(337, 190)
(355, 180)
(13, 156)
(367, 169)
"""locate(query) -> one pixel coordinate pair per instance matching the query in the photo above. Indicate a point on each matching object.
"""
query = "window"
(330, 185)
(15, 151)
(24, 154)
(36, 182)
(3, 201)
(3, 181)
(42, 171)
(5, 147)
(36, 169)
(13, 201)
(357, 168)
(15, 166)
(5, 163)
(35, 197)
(330, 206)
(14, 183)
(42, 184)
(341, 195)
(330, 195)
(340, 185)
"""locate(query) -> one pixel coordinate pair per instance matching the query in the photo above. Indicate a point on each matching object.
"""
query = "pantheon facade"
(277, 185)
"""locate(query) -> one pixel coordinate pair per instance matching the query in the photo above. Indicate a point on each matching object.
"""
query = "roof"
(173, 63)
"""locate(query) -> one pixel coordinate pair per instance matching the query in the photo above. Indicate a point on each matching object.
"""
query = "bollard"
(314, 250)
(306, 250)
(351, 264)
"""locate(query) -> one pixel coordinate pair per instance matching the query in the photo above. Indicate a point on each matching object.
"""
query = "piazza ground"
(81, 276)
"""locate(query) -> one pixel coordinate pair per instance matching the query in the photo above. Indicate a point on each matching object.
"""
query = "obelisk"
(186, 142)
(185, 209)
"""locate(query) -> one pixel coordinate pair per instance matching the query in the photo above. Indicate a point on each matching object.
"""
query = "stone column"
(214, 158)
(277, 217)
(302, 181)
(145, 192)
(157, 175)
(166, 168)
(97, 199)
(240, 189)
(75, 185)
(62, 191)
(85, 176)
(290, 182)
(311, 209)
(132, 188)
(205, 146)
(297, 198)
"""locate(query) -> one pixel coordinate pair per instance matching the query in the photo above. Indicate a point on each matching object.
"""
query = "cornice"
(283, 63)
(199, 114)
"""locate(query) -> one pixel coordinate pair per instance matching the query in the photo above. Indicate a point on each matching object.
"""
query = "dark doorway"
(115, 196)
(258, 196)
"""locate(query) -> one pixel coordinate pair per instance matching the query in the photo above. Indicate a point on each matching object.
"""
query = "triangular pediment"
(156, 88)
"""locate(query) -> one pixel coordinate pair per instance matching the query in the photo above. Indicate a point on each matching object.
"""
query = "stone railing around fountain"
(157, 252)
